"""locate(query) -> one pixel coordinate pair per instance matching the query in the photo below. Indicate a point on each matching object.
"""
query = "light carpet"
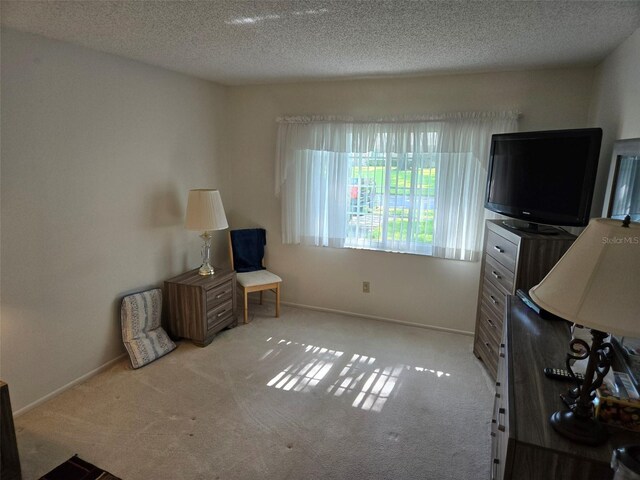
(310, 395)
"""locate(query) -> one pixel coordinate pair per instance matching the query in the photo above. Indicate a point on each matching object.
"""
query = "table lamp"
(595, 284)
(205, 213)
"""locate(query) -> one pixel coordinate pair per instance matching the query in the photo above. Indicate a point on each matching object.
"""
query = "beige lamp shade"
(205, 211)
(597, 282)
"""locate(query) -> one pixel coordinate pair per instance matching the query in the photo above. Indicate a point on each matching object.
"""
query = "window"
(391, 202)
(406, 186)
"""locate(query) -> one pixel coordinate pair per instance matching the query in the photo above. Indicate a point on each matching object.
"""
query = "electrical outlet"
(366, 288)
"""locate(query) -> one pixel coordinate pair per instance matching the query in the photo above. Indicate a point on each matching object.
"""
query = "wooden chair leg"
(277, 300)
(246, 307)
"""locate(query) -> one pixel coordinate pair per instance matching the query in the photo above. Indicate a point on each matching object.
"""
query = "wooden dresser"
(9, 457)
(511, 260)
(524, 445)
(200, 306)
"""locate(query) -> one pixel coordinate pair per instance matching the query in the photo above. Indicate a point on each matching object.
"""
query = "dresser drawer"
(502, 250)
(496, 442)
(494, 298)
(219, 294)
(498, 274)
(500, 443)
(500, 419)
(492, 324)
(500, 431)
(486, 348)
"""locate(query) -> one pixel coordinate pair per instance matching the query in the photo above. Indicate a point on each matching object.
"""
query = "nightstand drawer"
(219, 294)
(219, 314)
(502, 250)
(498, 274)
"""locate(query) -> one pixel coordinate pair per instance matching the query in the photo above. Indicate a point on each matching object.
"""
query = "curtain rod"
(305, 119)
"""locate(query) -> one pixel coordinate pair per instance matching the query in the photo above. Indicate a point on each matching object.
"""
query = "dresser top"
(515, 235)
(534, 344)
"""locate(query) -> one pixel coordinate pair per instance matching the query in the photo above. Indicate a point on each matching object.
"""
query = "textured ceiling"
(241, 42)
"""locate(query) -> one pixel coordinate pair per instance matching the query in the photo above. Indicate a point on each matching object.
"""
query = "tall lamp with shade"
(596, 284)
(205, 213)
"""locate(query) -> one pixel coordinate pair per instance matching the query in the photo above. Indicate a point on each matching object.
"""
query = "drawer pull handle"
(222, 313)
(501, 411)
(220, 295)
(493, 300)
(498, 249)
(496, 274)
(493, 325)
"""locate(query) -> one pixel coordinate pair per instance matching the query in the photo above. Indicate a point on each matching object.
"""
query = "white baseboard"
(105, 366)
(73, 383)
(374, 317)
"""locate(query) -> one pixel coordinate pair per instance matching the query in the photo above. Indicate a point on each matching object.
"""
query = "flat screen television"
(543, 177)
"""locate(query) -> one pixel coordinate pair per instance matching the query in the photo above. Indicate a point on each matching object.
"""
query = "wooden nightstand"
(201, 306)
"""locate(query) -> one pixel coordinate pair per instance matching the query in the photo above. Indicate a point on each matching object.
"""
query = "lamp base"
(585, 430)
(206, 269)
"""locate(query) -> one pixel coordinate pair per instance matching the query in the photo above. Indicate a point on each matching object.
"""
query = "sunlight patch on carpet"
(369, 384)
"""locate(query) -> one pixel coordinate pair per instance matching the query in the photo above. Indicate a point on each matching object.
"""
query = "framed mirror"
(623, 189)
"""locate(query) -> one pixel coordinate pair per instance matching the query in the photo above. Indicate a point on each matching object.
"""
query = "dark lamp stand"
(578, 423)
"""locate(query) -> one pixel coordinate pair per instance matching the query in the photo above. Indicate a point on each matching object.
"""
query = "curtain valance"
(404, 134)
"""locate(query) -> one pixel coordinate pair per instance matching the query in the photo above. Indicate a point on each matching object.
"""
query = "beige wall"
(615, 103)
(98, 154)
(407, 288)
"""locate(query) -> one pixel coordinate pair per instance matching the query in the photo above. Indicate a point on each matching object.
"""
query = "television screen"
(544, 177)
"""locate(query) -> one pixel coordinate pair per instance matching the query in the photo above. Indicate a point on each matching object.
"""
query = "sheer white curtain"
(438, 190)
(314, 204)
(312, 176)
(627, 194)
